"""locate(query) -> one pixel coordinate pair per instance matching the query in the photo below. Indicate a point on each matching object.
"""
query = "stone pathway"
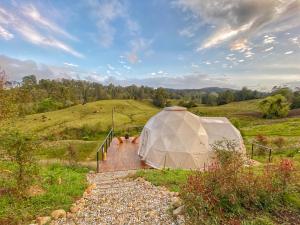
(117, 199)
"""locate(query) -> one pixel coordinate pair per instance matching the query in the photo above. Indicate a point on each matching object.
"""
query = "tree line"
(36, 96)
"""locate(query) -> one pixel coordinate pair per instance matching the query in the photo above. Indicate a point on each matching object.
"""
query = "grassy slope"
(95, 116)
(127, 113)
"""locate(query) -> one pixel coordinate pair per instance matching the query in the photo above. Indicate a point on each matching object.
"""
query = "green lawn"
(56, 195)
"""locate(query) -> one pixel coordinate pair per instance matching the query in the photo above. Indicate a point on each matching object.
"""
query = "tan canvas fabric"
(176, 138)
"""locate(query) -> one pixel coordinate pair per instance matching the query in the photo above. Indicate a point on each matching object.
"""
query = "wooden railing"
(104, 146)
(266, 148)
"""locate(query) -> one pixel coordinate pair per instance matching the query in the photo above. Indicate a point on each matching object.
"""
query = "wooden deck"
(122, 157)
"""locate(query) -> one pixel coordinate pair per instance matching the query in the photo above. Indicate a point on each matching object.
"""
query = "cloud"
(269, 39)
(106, 12)
(189, 31)
(5, 34)
(138, 47)
(31, 34)
(242, 18)
(70, 64)
(295, 40)
(110, 67)
(262, 78)
(33, 13)
(190, 81)
(15, 69)
(269, 49)
(289, 52)
(240, 45)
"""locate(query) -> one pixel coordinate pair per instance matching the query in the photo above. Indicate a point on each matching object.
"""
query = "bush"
(48, 104)
(187, 104)
(279, 142)
(275, 106)
(296, 102)
(72, 155)
(20, 149)
(227, 191)
(262, 140)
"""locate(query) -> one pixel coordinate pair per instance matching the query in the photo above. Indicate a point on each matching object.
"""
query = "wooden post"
(97, 161)
(270, 152)
(252, 148)
(165, 161)
(112, 119)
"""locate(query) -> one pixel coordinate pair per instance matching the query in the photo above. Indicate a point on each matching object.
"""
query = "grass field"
(60, 186)
(85, 126)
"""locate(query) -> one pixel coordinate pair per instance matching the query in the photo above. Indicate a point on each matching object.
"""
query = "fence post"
(252, 148)
(97, 161)
(270, 152)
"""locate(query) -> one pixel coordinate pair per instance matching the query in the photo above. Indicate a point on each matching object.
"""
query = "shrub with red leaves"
(227, 191)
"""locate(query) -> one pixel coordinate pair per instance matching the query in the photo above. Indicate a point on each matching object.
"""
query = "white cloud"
(33, 35)
(110, 67)
(106, 12)
(269, 39)
(288, 52)
(240, 45)
(295, 40)
(16, 69)
(194, 65)
(5, 34)
(269, 49)
(34, 14)
(127, 67)
(249, 54)
(242, 18)
(138, 46)
(70, 64)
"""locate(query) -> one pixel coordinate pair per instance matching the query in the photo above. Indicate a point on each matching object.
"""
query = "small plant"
(279, 142)
(263, 141)
(72, 155)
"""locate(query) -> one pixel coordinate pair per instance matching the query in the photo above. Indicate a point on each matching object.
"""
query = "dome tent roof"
(176, 138)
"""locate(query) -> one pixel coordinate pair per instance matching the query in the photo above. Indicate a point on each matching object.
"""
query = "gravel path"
(116, 199)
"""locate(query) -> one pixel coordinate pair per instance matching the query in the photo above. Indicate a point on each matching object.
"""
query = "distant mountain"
(206, 89)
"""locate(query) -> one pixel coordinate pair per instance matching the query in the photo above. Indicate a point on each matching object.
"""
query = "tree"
(212, 98)
(225, 97)
(286, 92)
(7, 99)
(160, 97)
(29, 80)
(275, 106)
(296, 103)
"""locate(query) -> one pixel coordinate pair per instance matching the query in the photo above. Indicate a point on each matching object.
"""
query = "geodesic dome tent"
(176, 138)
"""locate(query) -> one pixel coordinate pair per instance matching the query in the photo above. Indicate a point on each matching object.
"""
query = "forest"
(36, 96)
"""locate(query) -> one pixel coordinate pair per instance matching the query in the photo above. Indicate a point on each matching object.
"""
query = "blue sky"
(177, 44)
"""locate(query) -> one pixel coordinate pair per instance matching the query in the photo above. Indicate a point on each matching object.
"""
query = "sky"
(158, 43)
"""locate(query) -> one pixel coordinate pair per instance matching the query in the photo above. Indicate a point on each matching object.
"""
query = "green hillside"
(95, 114)
(83, 126)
